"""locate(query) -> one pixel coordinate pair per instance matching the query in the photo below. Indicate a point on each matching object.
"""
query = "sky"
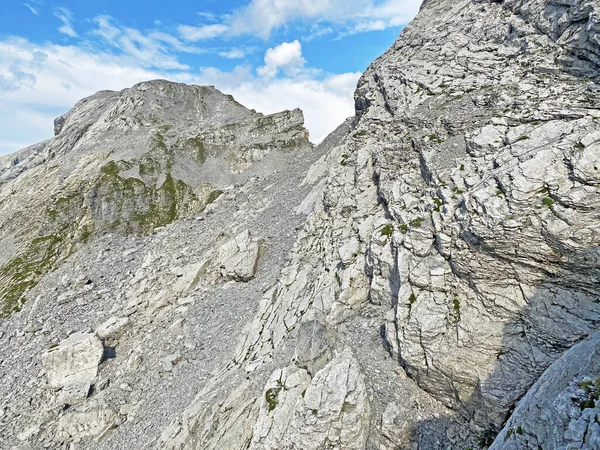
(271, 55)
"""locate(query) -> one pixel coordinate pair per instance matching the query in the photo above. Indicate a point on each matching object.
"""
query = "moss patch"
(387, 230)
(25, 271)
(272, 398)
(213, 196)
(592, 394)
(416, 223)
(548, 202)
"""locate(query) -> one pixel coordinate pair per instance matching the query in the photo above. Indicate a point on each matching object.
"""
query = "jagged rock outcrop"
(402, 285)
(560, 410)
(128, 162)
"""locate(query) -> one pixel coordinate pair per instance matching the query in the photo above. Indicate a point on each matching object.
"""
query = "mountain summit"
(180, 272)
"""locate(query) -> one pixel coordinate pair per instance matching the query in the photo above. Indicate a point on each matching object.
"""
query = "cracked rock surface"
(426, 278)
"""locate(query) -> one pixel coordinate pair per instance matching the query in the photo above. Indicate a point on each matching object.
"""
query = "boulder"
(72, 365)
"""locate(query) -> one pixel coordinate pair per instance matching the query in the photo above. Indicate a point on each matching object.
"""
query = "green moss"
(438, 204)
(416, 223)
(519, 430)
(63, 200)
(344, 160)
(455, 315)
(412, 299)
(272, 398)
(111, 169)
(403, 228)
(522, 138)
(24, 271)
(548, 202)
(213, 196)
(456, 304)
(387, 230)
(197, 145)
(579, 146)
(592, 394)
(435, 138)
(86, 234)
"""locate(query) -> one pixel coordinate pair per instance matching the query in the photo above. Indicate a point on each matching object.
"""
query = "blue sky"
(270, 54)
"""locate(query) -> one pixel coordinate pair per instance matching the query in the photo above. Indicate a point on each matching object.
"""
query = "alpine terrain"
(180, 272)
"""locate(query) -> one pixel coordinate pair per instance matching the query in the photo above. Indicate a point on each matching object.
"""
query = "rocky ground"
(427, 278)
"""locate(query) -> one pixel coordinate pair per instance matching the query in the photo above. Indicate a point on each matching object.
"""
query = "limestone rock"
(561, 409)
(407, 283)
(73, 364)
(238, 258)
(91, 421)
(111, 327)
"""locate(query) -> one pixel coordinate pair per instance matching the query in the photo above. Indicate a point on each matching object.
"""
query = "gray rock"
(561, 409)
(73, 364)
(402, 285)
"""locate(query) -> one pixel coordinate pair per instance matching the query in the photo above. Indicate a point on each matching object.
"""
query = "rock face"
(74, 362)
(432, 266)
(560, 410)
(128, 162)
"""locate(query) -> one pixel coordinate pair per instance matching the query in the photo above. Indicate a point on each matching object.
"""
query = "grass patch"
(272, 397)
(213, 196)
(412, 299)
(435, 139)
(592, 394)
(548, 202)
(25, 271)
(416, 223)
(387, 230)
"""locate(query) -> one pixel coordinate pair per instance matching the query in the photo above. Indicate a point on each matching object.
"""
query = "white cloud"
(208, 16)
(57, 77)
(195, 34)
(262, 17)
(286, 57)
(153, 49)
(234, 53)
(31, 8)
(66, 17)
(326, 102)
(46, 80)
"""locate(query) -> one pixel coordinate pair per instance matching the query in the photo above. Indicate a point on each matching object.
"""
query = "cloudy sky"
(270, 54)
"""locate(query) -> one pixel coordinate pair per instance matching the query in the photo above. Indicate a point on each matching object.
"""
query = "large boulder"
(72, 365)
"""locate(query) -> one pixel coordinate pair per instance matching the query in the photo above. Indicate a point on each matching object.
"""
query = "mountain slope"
(402, 285)
(127, 163)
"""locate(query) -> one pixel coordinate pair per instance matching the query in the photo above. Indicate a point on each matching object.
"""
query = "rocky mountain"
(180, 272)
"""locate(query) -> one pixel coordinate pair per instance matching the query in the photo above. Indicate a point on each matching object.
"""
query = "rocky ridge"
(432, 266)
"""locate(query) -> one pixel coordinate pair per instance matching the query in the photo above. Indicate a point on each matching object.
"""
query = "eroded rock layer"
(402, 285)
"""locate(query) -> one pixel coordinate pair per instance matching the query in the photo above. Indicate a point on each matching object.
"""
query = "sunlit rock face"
(403, 285)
